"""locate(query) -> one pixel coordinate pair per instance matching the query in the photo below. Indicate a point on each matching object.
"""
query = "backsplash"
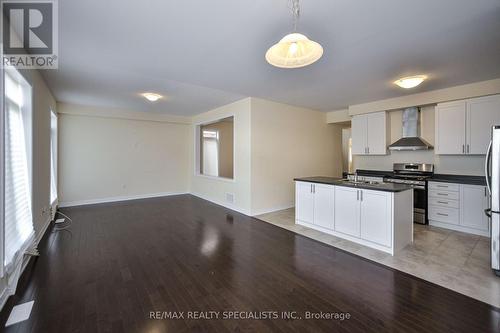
(459, 165)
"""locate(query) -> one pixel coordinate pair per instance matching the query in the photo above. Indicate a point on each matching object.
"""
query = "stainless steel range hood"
(411, 139)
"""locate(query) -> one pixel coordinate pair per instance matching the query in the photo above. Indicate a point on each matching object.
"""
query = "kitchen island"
(377, 215)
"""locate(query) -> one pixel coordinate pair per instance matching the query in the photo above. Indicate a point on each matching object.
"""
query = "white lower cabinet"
(375, 217)
(347, 211)
(314, 204)
(304, 202)
(365, 214)
(474, 202)
(324, 205)
(459, 207)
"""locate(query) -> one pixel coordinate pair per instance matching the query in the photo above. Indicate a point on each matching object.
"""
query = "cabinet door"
(474, 202)
(450, 128)
(347, 211)
(482, 113)
(376, 217)
(377, 134)
(304, 202)
(324, 205)
(359, 132)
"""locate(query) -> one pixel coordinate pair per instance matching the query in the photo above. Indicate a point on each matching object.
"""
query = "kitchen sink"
(365, 182)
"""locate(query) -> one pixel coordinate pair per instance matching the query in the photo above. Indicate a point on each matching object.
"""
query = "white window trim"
(2, 174)
(56, 153)
(197, 148)
(17, 75)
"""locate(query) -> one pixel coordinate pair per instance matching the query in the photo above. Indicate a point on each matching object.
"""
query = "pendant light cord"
(295, 8)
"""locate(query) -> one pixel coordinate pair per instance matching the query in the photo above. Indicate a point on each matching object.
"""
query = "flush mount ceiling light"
(410, 81)
(294, 50)
(152, 97)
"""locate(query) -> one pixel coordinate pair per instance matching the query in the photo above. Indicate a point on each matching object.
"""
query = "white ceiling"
(203, 54)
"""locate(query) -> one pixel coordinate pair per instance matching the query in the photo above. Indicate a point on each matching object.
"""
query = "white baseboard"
(271, 210)
(42, 231)
(117, 199)
(459, 228)
(223, 204)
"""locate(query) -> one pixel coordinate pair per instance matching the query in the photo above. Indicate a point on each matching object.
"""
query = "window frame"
(54, 160)
(197, 148)
(28, 114)
(2, 174)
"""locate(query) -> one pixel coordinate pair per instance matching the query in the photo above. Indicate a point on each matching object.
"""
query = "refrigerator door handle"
(488, 212)
(487, 167)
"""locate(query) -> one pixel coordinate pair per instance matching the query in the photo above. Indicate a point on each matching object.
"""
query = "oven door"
(419, 204)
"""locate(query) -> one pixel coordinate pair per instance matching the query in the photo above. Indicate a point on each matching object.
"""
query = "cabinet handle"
(368, 149)
(357, 195)
(463, 149)
(442, 214)
(468, 150)
(445, 194)
(314, 188)
(311, 189)
(443, 202)
(445, 186)
(361, 195)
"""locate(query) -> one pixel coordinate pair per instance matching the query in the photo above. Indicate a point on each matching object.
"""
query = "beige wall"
(216, 189)
(289, 142)
(469, 165)
(112, 159)
(225, 128)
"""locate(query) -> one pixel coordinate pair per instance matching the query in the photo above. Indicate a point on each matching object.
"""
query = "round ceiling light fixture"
(294, 50)
(410, 81)
(152, 97)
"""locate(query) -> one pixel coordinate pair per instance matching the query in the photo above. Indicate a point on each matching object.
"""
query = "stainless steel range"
(414, 174)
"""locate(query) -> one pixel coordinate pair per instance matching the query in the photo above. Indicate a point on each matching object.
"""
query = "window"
(216, 148)
(53, 158)
(18, 218)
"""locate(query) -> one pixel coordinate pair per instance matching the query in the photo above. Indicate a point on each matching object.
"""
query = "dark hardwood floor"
(119, 262)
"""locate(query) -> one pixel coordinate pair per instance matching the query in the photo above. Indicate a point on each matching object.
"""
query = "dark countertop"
(445, 178)
(460, 179)
(385, 187)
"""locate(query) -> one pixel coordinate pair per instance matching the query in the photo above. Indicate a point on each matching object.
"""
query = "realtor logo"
(29, 34)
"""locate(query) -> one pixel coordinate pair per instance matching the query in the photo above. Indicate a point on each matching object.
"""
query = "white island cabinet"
(379, 219)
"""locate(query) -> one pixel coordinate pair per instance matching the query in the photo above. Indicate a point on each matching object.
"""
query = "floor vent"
(230, 197)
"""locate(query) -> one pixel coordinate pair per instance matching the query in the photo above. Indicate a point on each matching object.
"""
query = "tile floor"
(454, 260)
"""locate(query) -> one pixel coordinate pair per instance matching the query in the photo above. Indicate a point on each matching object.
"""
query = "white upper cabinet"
(464, 127)
(450, 128)
(482, 113)
(369, 134)
(359, 132)
(377, 133)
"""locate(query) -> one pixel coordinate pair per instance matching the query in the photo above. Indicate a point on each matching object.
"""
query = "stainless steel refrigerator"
(492, 172)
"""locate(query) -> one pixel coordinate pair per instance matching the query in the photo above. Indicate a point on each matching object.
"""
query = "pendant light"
(294, 50)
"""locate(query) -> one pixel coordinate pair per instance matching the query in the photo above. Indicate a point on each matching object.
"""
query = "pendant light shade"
(293, 51)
